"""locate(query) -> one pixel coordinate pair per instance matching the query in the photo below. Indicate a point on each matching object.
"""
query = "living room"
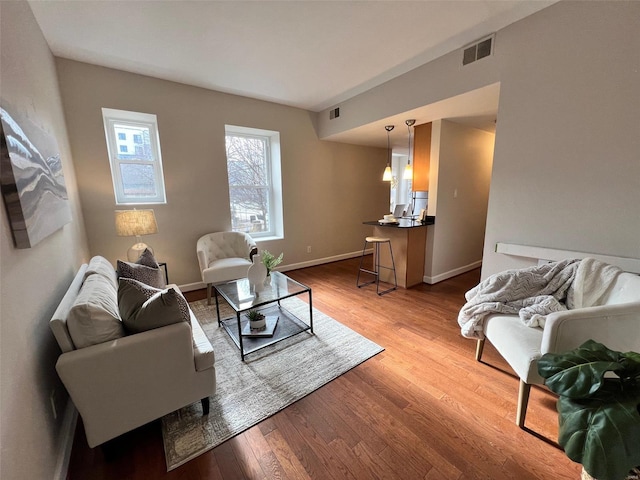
(565, 172)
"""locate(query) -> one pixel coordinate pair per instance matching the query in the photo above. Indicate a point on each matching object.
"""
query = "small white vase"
(267, 281)
(257, 274)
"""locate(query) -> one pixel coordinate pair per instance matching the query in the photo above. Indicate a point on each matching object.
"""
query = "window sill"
(268, 239)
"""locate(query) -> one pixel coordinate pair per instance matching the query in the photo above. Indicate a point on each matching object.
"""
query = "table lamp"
(131, 223)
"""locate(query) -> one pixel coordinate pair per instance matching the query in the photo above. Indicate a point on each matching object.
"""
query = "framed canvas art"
(31, 179)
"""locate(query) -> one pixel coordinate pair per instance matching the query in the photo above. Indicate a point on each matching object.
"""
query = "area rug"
(265, 383)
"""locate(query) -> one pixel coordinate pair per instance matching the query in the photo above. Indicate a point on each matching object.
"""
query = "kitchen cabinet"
(421, 157)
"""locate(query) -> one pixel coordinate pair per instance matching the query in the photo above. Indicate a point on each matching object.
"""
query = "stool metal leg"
(377, 266)
(360, 269)
(393, 267)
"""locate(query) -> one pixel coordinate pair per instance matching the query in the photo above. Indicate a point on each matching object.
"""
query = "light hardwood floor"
(422, 409)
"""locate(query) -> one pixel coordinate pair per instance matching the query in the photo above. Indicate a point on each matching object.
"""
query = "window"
(255, 187)
(401, 188)
(134, 154)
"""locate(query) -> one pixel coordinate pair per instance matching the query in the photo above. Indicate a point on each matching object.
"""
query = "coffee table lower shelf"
(288, 326)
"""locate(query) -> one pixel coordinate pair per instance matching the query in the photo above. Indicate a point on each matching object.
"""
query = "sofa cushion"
(144, 308)
(517, 343)
(94, 317)
(225, 269)
(101, 266)
(625, 289)
(148, 275)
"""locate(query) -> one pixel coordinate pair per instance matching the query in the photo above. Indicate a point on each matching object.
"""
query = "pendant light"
(387, 175)
(408, 170)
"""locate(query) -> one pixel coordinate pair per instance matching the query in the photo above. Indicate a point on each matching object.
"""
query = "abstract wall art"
(31, 180)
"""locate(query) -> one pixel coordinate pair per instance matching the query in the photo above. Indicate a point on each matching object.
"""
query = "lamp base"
(136, 250)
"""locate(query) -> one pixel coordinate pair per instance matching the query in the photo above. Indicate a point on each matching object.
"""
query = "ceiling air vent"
(334, 113)
(480, 49)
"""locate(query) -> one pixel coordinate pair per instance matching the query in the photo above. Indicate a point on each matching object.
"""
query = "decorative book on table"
(271, 320)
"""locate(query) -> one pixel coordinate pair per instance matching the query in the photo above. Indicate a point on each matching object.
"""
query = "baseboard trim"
(67, 434)
(452, 273)
(321, 261)
(188, 287)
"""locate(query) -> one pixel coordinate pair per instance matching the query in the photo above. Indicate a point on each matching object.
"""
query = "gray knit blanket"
(535, 292)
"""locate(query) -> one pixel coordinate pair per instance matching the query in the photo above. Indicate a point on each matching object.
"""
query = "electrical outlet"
(52, 399)
(308, 248)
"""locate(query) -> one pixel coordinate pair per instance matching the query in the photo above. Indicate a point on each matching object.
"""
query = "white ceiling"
(307, 54)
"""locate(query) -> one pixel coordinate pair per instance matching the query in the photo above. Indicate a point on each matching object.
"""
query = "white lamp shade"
(387, 176)
(134, 223)
(130, 223)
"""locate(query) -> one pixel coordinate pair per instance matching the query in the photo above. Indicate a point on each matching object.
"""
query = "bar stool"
(376, 242)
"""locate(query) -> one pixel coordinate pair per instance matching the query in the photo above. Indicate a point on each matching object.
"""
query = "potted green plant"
(257, 320)
(270, 261)
(599, 408)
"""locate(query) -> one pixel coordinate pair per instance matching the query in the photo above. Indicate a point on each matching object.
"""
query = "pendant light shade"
(408, 170)
(387, 176)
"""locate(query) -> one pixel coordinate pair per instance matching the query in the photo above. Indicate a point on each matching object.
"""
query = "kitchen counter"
(409, 243)
(404, 223)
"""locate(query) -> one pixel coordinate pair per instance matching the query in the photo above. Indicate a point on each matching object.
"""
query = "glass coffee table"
(238, 294)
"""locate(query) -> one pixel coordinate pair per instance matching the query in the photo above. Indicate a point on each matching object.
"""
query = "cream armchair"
(615, 323)
(224, 256)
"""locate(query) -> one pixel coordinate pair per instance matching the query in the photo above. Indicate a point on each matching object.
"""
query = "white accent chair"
(224, 256)
(615, 323)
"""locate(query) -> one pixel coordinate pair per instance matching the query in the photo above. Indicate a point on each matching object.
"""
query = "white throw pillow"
(94, 317)
(101, 266)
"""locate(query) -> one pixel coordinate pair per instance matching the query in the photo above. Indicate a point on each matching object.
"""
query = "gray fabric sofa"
(126, 381)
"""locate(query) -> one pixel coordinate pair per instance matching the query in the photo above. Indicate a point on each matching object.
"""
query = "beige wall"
(461, 159)
(566, 170)
(32, 281)
(328, 188)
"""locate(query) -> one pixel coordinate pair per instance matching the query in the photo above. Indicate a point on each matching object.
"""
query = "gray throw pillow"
(147, 259)
(147, 275)
(144, 308)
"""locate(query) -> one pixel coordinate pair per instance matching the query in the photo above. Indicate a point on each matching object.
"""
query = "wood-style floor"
(422, 409)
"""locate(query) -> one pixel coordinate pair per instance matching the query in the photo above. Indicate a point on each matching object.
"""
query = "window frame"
(274, 177)
(111, 117)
